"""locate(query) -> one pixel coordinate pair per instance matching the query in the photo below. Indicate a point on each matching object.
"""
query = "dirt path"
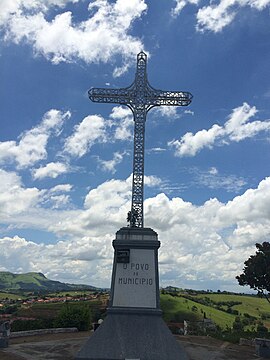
(65, 346)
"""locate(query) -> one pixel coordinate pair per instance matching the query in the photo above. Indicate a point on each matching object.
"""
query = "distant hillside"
(221, 308)
(33, 281)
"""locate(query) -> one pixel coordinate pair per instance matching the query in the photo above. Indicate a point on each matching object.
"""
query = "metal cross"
(140, 97)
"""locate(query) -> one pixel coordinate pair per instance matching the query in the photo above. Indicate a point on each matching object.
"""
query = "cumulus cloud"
(30, 207)
(237, 128)
(31, 146)
(215, 17)
(61, 188)
(110, 165)
(94, 129)
(52, 170)
(14, 198)
(70, 261)
(57, 197)
(200, 244)
(180, 4)
(98, 39)
(152, 181)
(123, 123)
(165, 111)
(10, 7)
(90, 131)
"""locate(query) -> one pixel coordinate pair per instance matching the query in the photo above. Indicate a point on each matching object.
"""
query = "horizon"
(66, 163)
(164, 287)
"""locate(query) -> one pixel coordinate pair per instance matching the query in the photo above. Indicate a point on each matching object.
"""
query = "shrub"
(237, 325)
(78, 316)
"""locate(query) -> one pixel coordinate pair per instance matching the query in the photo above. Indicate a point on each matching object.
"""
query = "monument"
(133, 328)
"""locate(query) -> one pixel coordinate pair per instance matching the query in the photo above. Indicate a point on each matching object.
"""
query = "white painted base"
(135, 282)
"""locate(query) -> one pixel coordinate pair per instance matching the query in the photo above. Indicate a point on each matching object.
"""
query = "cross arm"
(170, 98)
(116, 96)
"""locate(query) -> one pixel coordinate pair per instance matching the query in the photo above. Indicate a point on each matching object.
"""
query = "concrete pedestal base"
(133, 328)
(132, 336)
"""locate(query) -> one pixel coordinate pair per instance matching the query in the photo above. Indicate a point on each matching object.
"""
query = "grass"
(251, 305)
(179, 309)
(4, 295)
(51, 310)
(175, 308)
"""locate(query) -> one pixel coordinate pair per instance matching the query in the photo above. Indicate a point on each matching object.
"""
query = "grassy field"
(251, 305)
(51, 310)
(4, 295)
(179, 309)
(175, 308)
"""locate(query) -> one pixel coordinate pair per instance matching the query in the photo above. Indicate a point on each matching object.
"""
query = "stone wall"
(17, 334)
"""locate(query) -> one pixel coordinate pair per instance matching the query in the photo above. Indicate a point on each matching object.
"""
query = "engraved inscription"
(135, 281)
(138, 274)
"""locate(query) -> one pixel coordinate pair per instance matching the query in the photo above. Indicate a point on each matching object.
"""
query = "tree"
(237, 325)
(256, 272)
(261, 329)
(78, 316)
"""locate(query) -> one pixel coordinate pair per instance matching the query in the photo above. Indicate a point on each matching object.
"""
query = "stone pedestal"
(133, 328)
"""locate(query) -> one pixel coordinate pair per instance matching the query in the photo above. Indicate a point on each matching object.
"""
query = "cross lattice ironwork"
(140, 97)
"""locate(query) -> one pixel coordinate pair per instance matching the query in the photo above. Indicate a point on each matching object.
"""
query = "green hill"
(221, 308)
(33, 281)
(179, 309)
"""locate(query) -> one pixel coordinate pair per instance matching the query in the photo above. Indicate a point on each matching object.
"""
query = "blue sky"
(66, 163)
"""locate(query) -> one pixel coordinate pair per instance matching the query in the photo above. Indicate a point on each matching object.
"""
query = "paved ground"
(205, 348)
(65, 346)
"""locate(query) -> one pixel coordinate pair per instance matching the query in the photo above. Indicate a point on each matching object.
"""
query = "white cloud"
(109, 196)
(213, 171)
(190, 144)
(61, 188)
(57, 197)
(180, 4)
(90, 131)
(215, 17)
(156, 150)
(98, 39)
(69, 260)
(165, 111)
(123, 123)
(237, 128)
(52, 170)
(213, 180)
(204, 244)
(31, 147)
(252, 206)
(110, 165)
(60, 201)
(189, 112)
(10, 7)
(152, 181)
(14, 198)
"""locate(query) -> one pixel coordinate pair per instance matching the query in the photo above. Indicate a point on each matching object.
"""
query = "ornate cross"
(140, 97)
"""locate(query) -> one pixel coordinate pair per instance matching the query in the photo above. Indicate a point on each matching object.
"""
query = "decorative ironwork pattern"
(140, 97)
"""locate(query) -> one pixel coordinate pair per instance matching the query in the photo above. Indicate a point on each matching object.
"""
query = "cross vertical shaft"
(136, 215)
(140, 97)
